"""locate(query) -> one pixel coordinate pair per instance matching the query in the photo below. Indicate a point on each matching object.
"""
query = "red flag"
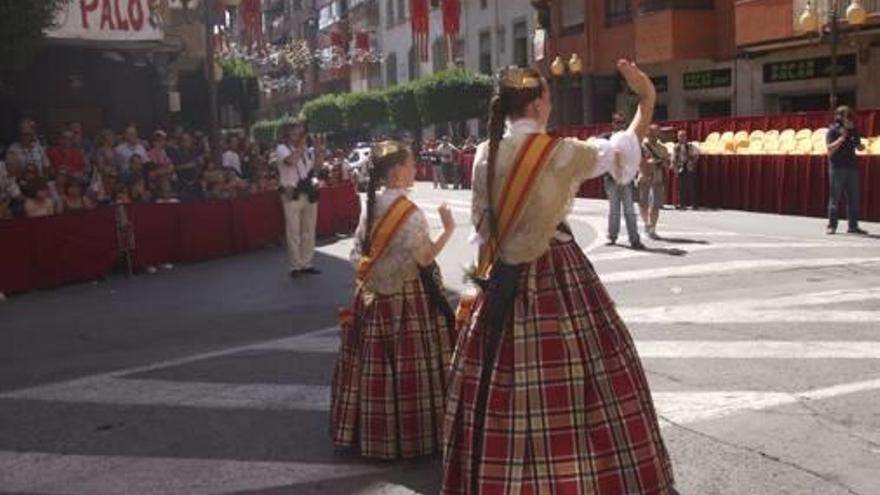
(451, 17)
(362, 41)
(419, 12)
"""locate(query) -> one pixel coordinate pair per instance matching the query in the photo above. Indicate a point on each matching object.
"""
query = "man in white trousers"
(297, 165)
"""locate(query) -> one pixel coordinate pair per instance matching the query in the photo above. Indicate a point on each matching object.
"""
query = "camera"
(308, 186)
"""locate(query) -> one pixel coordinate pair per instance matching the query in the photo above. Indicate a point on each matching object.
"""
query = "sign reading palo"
(116, 20)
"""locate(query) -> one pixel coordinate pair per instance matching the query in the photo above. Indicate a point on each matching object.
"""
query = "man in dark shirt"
(843, 141)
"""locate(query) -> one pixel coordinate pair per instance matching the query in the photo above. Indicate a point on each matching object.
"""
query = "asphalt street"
(760, 335)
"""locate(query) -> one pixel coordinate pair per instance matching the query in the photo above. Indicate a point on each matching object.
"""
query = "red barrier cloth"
(339, 210)
(156, 234)
(53, 251)
(205, 229)
(257, 221)
(784, 184)
(466, 168)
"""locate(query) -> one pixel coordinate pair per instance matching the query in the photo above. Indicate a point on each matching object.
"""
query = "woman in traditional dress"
(389, 387)
(547, 394)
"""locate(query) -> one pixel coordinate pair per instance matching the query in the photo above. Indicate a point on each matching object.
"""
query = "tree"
(364, 111)
(325, 114)
(22, 27)
(403, 110)
(453, 95)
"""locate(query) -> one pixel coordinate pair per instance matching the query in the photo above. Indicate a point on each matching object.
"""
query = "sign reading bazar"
(708, 79)
(110, 20)
(808, 68)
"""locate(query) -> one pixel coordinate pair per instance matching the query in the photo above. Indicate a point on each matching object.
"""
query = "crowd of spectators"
(74, 172)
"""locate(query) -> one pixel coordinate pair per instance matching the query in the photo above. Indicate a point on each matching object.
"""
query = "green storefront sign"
(809, 68)
(708, 79)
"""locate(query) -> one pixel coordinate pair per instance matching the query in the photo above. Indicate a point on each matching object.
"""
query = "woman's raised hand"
(637, 80)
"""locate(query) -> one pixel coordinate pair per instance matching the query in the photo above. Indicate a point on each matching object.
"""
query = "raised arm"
(642, 86)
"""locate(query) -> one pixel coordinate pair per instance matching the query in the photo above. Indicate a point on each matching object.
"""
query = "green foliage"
(453, 95)
(235, 68)
(364, 111)
(325, 114)
(267, 130)
(22, 24)
(403, 111)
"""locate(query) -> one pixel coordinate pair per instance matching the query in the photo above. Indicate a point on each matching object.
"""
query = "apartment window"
(297, 5)
(485, 45)
(391, 69)
(329, 14)
(501, 39)
(389, 12)
(521, 44)
(573, 16)
(401, 10)
(414, 64)
(484, 4)
(617, 12)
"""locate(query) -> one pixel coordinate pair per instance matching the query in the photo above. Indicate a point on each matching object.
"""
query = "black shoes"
(311, 271)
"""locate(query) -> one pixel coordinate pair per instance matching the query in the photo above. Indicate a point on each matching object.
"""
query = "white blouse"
(549, 202)
(398, 264)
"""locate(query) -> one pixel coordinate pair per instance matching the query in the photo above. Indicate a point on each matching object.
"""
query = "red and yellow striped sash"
(530, 161)
(383, 232)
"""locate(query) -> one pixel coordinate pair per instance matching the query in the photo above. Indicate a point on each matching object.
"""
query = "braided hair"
(379, 168)
(507, 102)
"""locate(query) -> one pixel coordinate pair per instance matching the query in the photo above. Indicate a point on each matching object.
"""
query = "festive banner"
(110, 20)
(419, 12)
(252, 19)
(451, 18)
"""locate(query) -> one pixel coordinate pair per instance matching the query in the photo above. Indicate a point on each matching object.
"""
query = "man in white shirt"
(296, 172)
(684, 159)
(231, 158)
(130, 145)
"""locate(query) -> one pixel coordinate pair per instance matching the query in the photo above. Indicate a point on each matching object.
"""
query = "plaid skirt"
(389, 386)
(567, 408)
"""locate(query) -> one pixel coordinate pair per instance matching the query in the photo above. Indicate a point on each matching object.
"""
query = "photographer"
(297, 170)
(843, 170)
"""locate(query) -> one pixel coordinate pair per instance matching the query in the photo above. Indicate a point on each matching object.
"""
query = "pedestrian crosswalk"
(703, 331)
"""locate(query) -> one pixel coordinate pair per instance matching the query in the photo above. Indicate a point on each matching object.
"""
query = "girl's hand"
(637, 80)
(446, 217)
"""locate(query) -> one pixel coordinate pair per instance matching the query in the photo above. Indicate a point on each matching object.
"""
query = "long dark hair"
(379, 168)
(508, 101)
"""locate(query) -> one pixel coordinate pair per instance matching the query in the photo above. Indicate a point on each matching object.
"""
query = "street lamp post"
(809, 21)
(567, 75)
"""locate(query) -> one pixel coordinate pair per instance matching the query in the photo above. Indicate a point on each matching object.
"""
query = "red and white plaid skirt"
(568, 409)
(389, 386)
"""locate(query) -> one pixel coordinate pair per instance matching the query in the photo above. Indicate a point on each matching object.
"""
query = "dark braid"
(497, 118)
(379, 169)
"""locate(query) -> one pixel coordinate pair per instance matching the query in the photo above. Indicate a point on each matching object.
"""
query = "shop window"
(813, 103)
(389, 12)
(414, 64)
(401, 10)
(661, 113)
(707, 109)
(501, 39)
(438, 54)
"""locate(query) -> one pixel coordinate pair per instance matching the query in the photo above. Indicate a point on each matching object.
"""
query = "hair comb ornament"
(518, 78)
(385, 148)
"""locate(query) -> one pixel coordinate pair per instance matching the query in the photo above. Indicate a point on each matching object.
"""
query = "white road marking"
(100, 475)
(693, 248)
(757, 349)
(732, 266)
(702, 406)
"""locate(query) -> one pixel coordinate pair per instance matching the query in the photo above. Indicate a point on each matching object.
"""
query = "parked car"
(359, 164)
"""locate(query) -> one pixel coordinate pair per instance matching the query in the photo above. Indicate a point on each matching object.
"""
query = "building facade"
(708, 58)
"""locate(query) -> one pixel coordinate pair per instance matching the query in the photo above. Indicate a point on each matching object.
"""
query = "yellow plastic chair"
(787, 135)
(804, 134)
(727, 136)
(771, 146)
(756, 134)
(788, 146)
(819, 134)
(819, 148)
(713, 138)
(771, 134)
(804, 147)
(875, 147)
(741, 136)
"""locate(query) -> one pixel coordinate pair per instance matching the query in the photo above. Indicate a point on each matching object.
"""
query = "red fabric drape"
(47, 252)
(251, 16)
(362, 41)
(451, 18)
(53, 251)
(419, 12)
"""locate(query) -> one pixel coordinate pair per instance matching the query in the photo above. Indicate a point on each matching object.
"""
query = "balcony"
(650, 6)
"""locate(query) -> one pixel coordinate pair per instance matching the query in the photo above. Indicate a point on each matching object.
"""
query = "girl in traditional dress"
(547, 394)
(389, 388)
